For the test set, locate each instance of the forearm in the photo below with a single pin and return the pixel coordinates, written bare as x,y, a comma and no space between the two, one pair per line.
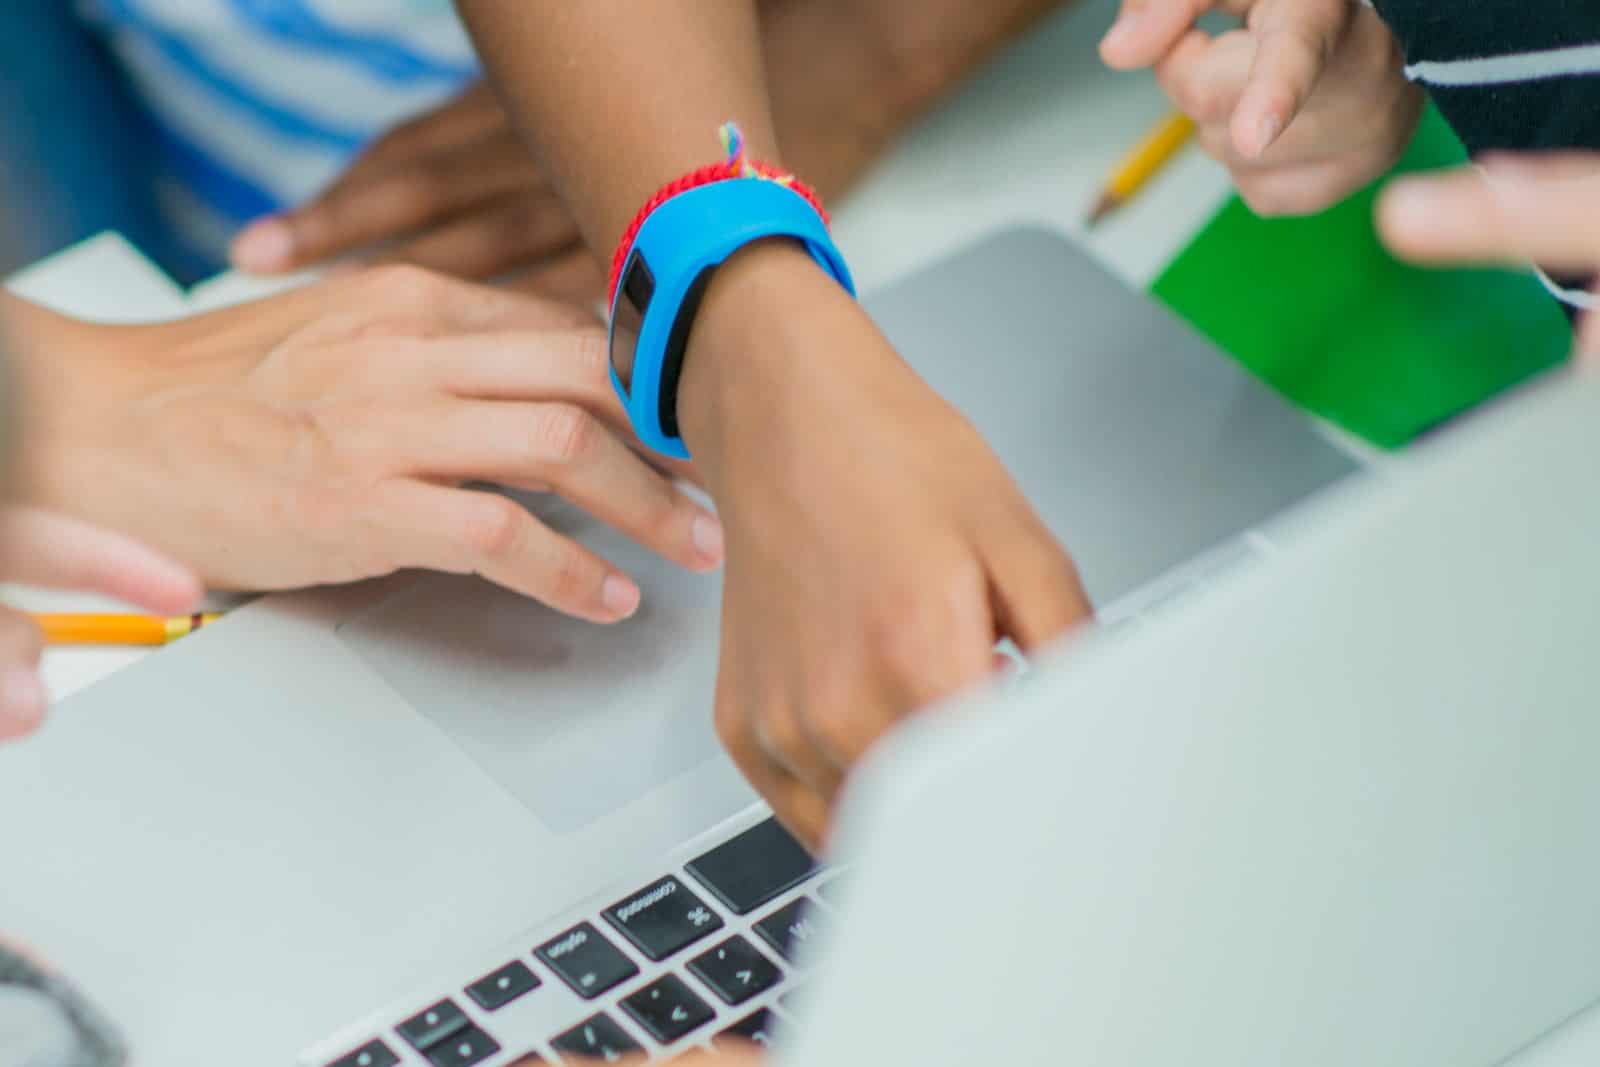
616,106
617,97
888,63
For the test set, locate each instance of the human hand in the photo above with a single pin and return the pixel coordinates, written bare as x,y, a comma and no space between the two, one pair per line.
1304,105
877,549
1512,209
330,434
49,551
454,190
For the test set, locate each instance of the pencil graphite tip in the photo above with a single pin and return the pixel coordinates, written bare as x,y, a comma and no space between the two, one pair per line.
1108,203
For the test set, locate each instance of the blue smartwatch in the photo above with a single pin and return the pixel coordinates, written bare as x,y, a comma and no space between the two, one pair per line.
678,248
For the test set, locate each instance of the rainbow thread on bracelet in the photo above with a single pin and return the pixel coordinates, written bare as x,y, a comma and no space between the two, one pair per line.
741,165
737,164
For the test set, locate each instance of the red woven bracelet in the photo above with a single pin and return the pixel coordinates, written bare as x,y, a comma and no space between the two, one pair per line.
736,165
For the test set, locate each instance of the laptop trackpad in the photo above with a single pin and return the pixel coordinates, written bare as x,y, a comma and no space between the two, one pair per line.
575,720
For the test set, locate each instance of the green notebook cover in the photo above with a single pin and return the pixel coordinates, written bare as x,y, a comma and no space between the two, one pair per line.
1318,308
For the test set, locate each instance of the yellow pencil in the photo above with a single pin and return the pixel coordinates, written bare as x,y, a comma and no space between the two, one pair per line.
118,629
1141,164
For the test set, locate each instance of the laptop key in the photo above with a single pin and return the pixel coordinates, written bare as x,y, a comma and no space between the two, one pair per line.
790,927
756,1027
736,971
597,1037
668,1009
494,991
463,1049
373,1054
753,868
432,1025
663,918
586,961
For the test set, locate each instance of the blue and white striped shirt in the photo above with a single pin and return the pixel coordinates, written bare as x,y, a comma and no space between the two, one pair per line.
260,103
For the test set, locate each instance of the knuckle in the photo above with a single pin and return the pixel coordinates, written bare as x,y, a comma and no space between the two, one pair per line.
573,577
840,730
912,635
666,515
492,529
779,731
1205,102
403,285
416,193
565,434
1183,88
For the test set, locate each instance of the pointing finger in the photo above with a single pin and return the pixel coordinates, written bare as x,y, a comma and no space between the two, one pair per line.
1295,40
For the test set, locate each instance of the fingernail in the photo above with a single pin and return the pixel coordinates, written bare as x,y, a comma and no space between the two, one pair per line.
264,246
22,702
1123,28
1267,131
620,596
708,538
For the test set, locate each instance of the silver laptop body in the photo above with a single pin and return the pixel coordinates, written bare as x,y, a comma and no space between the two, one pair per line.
338,810
1341,811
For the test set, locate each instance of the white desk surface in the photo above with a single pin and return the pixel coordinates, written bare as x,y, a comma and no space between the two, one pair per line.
1026,143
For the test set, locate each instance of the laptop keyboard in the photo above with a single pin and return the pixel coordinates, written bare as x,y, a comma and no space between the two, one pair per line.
698,957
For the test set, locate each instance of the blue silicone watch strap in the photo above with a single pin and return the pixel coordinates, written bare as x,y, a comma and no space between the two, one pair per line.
688,235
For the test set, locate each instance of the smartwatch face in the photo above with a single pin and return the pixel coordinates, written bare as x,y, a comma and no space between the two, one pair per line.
638,285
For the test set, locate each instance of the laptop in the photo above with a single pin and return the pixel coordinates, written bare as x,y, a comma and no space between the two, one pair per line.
1339,811
425,821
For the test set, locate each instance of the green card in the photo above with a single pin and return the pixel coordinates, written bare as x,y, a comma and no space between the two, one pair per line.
1320,310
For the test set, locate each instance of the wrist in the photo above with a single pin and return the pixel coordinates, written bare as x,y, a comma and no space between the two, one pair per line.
739,364
59,373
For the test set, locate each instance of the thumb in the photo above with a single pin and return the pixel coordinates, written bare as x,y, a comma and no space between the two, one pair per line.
55,552
1295,39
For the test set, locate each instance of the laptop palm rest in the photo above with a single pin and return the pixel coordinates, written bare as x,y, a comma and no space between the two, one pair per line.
1139,443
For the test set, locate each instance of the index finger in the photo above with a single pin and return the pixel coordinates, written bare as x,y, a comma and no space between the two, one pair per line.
569,365
1037,592
1296,38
